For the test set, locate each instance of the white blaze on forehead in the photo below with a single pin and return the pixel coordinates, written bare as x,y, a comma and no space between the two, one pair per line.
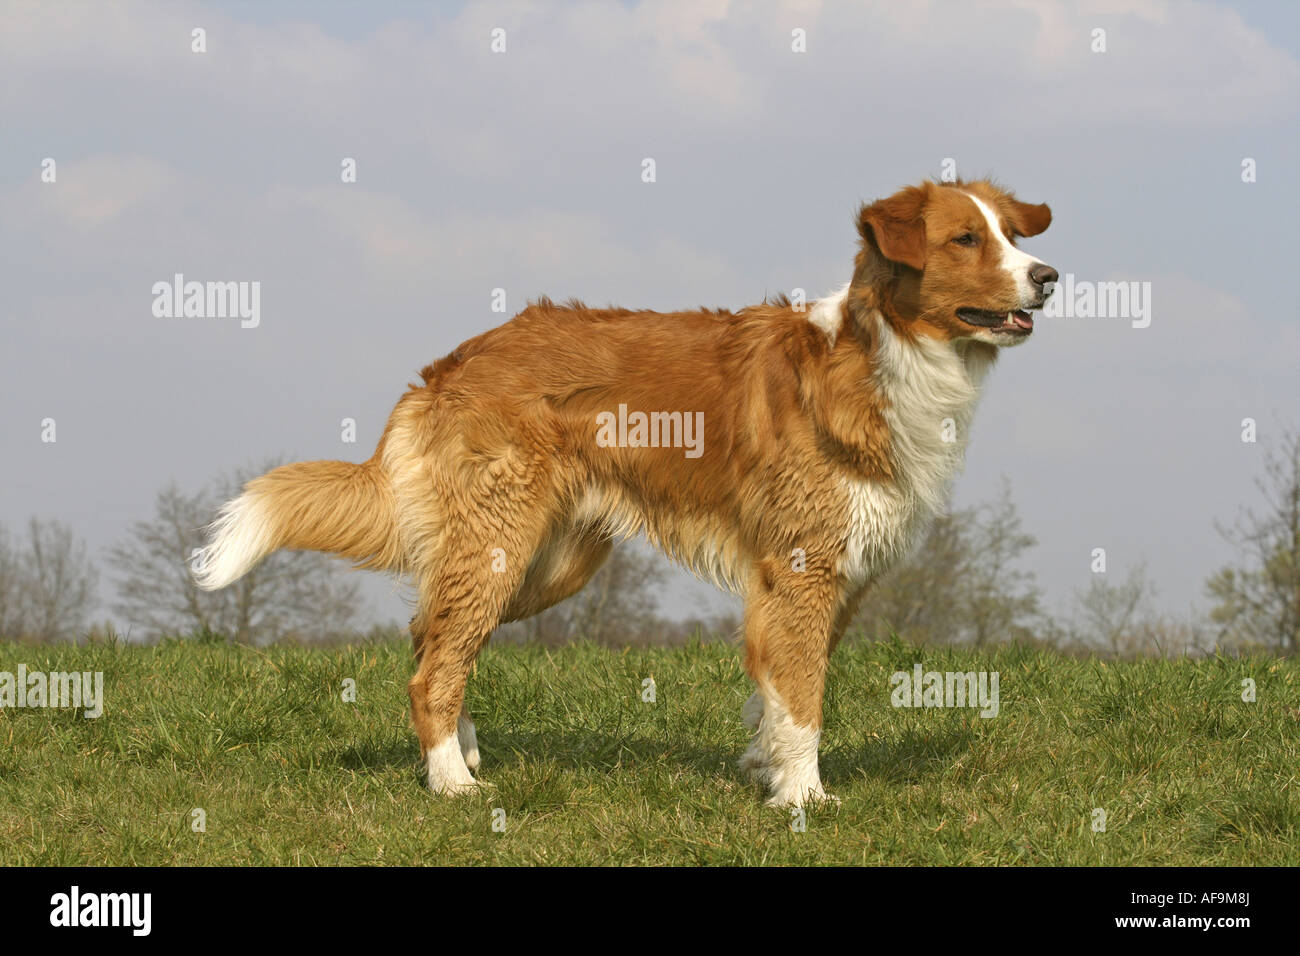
1016,263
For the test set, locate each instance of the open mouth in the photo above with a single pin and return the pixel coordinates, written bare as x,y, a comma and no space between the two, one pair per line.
1019,322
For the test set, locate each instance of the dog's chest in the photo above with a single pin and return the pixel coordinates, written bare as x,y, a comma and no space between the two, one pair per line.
931,389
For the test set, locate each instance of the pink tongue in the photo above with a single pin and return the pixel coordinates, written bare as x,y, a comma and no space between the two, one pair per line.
1023,320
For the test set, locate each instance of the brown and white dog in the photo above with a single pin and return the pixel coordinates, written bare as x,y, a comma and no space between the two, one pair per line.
790,454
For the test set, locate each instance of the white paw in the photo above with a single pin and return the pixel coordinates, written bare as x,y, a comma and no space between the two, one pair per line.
782,757
460,789
805,796
447,771
752,712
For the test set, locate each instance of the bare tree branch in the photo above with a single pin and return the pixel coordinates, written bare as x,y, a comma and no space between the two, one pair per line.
291,593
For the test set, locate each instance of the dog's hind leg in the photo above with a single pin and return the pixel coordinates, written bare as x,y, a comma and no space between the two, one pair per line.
467,735
460,609
479,568
559,569
561,566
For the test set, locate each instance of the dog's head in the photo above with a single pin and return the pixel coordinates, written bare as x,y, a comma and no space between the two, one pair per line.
946,254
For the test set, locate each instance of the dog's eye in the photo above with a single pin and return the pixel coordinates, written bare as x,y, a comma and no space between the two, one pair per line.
966,239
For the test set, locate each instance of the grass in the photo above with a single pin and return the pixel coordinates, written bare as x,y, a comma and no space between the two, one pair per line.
587,773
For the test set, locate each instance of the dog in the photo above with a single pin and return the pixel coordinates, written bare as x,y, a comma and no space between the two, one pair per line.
791,453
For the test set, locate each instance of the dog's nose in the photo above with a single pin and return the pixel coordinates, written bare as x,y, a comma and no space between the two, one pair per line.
1041,274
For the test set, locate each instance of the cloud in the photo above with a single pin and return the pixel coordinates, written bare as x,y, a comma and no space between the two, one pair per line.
521,170
92,192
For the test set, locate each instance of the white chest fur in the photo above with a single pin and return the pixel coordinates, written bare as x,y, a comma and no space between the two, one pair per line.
931,389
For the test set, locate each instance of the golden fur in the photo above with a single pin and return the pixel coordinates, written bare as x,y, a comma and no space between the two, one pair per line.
490,489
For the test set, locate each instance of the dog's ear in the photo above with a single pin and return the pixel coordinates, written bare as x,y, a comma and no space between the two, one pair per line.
1026,219
896,227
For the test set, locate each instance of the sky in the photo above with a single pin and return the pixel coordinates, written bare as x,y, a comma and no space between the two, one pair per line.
1165,145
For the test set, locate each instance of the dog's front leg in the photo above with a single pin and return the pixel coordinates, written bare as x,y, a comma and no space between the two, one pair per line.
788,626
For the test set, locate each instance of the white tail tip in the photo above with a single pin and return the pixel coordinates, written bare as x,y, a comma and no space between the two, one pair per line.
239,538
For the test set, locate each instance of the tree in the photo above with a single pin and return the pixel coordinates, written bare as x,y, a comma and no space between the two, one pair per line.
290,593
961,583
1259,602
1001,600
1117,616
47,587
920,597
13,615
60,581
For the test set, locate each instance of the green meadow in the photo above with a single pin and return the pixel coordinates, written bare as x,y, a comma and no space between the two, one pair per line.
227,755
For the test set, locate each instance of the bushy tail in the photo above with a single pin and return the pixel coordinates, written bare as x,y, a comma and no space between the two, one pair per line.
332,506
